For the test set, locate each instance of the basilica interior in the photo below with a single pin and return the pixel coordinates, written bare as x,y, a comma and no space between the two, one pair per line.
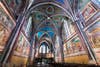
49,33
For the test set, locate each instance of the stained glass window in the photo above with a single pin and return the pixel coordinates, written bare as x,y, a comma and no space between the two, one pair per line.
44,48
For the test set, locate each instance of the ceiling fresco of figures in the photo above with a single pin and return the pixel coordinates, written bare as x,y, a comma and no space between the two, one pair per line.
46,12
16,6
47,19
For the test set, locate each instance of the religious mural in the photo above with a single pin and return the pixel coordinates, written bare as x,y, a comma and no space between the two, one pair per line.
65,49
71,27
88,11
93,34
16,6
22,47
6,26
4,34
74,52
5,19
74,46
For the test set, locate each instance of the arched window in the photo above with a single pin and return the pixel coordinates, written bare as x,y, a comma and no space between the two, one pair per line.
68,27
44,48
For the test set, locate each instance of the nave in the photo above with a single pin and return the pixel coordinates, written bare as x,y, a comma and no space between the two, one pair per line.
49,33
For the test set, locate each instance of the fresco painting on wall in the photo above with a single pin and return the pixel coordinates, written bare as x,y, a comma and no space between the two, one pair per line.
6,20
4,34
22,46
74,46
71,27
16,6
93,34
88,11
12,4
69,49
6,26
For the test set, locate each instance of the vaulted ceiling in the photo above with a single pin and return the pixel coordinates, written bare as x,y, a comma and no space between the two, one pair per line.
48,17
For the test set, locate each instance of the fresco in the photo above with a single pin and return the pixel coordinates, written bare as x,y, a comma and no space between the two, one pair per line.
6,26
74,52
88,11
93,34
22,46
5,19
4,34
74,46
12,4
16,6
71,27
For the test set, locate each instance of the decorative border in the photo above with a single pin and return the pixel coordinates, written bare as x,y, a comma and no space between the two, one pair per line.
76,53
85,29
52,10
6,12
15,53
9,9
89,5
4,8
96,50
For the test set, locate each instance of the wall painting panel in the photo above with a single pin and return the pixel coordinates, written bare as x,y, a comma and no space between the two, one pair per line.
7,24
22,46
88,11
93,34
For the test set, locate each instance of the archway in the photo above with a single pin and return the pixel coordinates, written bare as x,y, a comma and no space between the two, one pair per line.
44,48
45,54
48,24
